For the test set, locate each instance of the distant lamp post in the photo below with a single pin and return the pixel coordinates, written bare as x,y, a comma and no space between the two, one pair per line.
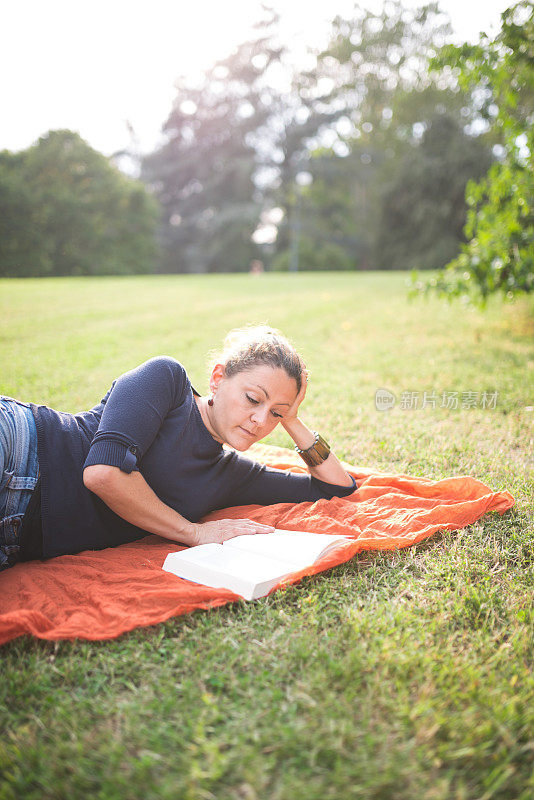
301,179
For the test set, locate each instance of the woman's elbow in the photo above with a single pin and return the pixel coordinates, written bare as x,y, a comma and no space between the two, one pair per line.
99,478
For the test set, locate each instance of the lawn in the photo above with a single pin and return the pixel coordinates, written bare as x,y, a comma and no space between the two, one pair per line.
401,675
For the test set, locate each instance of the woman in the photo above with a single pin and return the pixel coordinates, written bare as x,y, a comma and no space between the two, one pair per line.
150,458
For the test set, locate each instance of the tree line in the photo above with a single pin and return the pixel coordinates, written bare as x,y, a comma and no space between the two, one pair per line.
66,210
359,160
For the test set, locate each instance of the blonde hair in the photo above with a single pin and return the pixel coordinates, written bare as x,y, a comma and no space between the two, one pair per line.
247,347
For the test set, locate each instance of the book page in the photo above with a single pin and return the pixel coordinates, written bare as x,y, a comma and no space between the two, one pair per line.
230,568
299,548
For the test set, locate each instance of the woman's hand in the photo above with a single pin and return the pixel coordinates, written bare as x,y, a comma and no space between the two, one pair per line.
293,411
220,530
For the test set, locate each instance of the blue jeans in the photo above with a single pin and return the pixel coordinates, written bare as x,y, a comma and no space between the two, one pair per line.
19,470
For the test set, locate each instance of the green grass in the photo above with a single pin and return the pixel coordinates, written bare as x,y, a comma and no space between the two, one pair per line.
405,674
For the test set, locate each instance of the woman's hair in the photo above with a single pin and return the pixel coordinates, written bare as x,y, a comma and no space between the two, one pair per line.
252,345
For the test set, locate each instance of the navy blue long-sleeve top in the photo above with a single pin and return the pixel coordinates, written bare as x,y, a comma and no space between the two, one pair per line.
149,421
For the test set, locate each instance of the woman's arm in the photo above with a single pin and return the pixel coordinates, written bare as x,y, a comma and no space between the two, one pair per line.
130,496
133,413
330,471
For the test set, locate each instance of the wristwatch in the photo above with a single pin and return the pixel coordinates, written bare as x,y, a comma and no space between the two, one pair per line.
316,453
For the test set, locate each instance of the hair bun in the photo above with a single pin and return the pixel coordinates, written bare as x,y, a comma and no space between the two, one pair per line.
253,345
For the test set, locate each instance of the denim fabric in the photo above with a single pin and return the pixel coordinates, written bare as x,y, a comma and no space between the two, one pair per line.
19,470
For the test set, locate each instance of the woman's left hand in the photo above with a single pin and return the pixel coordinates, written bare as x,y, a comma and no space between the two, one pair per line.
293,411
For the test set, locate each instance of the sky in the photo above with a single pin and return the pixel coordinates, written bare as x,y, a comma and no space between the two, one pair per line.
100,66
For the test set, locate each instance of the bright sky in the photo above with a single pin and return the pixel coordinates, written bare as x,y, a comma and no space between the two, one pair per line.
91,66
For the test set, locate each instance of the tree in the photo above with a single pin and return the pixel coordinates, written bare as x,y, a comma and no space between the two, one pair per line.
203,174
423,209
234,142
65,210
387,109
325,215
19,234
499,256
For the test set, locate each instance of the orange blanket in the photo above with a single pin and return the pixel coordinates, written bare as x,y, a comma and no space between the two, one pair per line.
101,594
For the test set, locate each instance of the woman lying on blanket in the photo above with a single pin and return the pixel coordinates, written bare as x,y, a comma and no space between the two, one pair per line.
150,458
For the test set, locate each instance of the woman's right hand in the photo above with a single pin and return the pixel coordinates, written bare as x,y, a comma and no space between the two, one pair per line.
222,529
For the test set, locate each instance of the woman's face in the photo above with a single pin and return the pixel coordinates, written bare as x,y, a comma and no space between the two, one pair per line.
249,405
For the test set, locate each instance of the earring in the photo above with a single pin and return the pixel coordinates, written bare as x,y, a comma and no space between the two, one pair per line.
210,401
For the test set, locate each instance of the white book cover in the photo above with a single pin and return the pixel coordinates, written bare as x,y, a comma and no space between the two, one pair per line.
251,565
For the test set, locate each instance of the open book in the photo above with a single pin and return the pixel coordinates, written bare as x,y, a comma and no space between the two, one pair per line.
251,565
